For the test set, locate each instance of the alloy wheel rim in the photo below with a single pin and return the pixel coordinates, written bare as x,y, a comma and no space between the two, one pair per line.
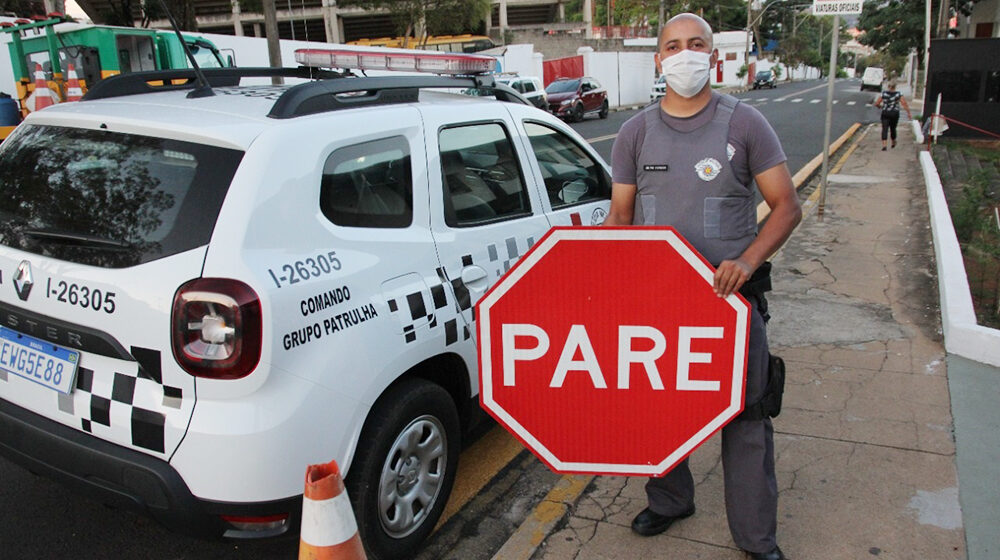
412,476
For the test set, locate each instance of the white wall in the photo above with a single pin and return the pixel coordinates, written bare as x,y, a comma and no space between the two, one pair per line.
628,76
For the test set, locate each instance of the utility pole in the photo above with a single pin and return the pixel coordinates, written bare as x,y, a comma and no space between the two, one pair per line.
927,50
273,41
834,40
746,52
663,14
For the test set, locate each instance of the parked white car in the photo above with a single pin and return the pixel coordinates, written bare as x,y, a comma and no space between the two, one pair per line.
659,88
200,295
872,79
529,86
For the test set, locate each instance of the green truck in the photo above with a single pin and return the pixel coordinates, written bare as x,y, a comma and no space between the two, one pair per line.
95,51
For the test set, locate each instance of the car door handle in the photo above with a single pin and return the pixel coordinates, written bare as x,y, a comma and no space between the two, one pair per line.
474,277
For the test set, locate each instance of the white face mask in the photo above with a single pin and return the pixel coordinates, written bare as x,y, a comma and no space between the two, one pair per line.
687,71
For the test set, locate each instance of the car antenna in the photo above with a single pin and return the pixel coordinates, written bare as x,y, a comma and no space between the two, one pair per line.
203,89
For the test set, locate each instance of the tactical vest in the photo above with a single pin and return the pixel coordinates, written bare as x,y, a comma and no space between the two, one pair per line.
685,180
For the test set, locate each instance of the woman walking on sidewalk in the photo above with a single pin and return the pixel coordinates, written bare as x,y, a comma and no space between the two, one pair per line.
890,102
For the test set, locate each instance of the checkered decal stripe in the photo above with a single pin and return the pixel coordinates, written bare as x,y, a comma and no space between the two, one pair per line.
127,408
432,306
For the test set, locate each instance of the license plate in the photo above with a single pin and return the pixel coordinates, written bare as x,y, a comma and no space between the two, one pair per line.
37,360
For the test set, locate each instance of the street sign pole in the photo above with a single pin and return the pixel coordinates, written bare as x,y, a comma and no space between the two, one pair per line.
834,43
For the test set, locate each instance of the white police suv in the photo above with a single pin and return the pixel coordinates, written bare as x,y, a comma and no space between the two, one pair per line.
205,287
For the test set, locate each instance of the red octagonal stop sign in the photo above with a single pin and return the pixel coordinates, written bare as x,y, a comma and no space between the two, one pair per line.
605,350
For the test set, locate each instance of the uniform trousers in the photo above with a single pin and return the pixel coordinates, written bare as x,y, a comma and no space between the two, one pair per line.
751,488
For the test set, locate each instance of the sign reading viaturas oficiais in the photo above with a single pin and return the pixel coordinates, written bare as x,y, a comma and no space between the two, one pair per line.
606,350
833,7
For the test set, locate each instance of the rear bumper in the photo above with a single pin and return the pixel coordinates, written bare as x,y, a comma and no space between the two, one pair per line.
123,477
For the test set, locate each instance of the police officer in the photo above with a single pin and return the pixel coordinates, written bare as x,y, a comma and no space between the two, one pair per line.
690,162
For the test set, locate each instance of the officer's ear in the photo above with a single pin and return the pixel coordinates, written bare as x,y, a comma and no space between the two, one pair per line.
658,61
715,57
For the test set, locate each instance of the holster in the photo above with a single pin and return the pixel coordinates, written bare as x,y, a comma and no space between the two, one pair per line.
759,282
769,405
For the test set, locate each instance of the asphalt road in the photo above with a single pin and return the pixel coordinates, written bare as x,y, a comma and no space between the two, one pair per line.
797,111
40,519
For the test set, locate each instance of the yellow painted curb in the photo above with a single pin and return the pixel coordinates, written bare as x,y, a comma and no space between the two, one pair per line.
808,169
813,199
525,540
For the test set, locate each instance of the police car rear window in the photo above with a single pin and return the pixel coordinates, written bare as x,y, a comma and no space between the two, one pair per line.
108,199
369,185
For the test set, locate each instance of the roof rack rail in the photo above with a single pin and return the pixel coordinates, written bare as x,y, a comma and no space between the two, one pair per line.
319,97
306,98
135,83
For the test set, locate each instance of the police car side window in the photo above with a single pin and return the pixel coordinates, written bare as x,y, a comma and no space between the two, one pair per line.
571,176
482,178
369,185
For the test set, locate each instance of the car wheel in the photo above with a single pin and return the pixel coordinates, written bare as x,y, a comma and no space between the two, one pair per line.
577,114
404,468
604,110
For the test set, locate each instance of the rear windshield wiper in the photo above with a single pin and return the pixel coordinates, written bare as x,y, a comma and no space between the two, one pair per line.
72,238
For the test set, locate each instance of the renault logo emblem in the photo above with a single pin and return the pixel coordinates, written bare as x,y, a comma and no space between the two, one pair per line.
23,280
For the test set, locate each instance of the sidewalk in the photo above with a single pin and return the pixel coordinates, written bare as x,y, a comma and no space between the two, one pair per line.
866,456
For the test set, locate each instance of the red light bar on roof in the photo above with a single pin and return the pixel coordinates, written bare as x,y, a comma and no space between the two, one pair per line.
384,59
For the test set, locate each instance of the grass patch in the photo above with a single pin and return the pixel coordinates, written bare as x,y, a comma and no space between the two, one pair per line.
974,204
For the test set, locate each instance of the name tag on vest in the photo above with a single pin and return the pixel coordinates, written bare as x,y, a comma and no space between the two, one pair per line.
659,167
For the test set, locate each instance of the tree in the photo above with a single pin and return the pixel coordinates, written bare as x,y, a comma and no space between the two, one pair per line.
182,10
22,8
802,45
435,17
895,26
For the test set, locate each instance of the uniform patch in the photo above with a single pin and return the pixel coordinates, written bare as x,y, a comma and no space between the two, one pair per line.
730,152
656,167
708,169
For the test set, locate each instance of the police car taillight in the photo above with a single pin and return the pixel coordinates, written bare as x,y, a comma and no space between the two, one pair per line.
216,328
388,59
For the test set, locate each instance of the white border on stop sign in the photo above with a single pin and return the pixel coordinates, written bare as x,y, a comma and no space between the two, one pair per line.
696,262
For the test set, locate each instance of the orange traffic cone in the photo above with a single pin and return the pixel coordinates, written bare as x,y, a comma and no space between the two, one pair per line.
43,95
329,531
73,90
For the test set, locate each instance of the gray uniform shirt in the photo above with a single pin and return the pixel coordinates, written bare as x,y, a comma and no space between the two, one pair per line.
696,173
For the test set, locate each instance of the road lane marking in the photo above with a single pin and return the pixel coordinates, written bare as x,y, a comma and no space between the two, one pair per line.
801,92
851,102
601,138
815,100
797,100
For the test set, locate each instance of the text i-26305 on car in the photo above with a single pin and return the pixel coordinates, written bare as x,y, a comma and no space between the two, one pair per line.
185,325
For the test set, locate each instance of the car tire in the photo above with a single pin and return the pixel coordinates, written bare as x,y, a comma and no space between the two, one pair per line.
604,110
577,114
408,450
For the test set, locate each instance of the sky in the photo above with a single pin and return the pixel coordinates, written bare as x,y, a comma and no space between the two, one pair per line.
74,10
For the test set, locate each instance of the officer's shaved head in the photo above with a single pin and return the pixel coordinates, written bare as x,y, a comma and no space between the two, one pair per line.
687,18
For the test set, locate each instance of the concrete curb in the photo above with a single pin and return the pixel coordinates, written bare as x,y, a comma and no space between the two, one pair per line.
543,519
962,335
